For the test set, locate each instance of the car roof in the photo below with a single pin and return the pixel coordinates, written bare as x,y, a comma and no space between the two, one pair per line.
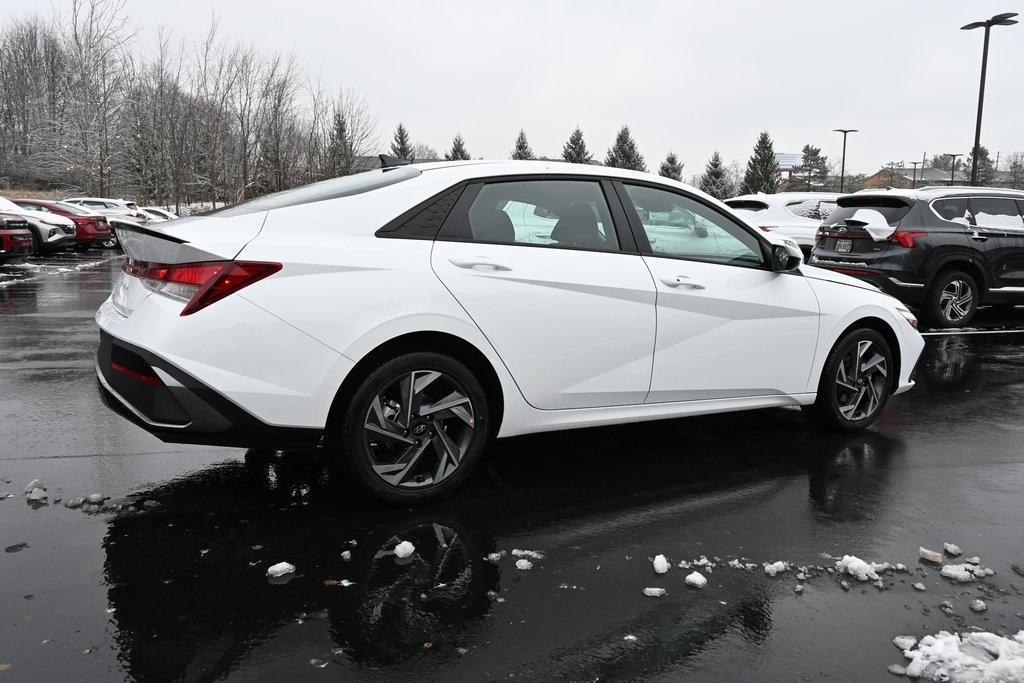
779,198
932,192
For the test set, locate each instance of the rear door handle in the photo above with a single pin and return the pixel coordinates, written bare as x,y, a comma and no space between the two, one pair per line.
978,237
477,262
682,281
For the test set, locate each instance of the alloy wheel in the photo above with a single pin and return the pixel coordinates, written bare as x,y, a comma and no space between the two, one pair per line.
955,300
861,381
418,428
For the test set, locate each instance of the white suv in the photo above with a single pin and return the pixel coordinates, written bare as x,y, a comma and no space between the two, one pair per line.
794,214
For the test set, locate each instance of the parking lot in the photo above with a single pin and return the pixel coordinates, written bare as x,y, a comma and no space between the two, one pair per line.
168,579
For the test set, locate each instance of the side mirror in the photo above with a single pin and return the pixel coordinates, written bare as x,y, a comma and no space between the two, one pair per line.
784,260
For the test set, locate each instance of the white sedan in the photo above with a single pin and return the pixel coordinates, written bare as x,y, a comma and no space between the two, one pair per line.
797,215
400,318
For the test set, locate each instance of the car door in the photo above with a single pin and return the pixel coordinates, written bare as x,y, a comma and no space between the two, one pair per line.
998,229
543,270
728,326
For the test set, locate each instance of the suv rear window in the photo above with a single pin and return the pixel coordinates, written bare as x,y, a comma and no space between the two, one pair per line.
317,192
892,208
746,205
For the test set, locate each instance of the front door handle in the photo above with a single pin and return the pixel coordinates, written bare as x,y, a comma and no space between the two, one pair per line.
682,281
477,262
978,237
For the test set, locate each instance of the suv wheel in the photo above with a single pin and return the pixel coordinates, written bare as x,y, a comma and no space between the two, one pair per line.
415,428
953,299
854,385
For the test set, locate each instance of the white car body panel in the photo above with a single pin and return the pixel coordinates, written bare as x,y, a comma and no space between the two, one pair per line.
575,338
777,218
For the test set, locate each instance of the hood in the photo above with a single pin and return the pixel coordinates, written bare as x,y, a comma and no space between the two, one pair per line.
46,217
816,273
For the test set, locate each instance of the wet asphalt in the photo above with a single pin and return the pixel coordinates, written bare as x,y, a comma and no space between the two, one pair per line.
173,585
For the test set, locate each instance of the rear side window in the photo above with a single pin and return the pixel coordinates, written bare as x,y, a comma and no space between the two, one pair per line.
809,208
892,208
424,221
953,209
995,212
553,213
746,205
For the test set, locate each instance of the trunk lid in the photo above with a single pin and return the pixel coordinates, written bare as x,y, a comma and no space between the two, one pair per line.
196,238
844,235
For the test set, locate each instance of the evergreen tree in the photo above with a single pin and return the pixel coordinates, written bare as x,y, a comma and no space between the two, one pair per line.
575,150
522,149
339,148
401,147
814,161
671,167
716,181
986,169
624,154
458,151
762,173
1016,171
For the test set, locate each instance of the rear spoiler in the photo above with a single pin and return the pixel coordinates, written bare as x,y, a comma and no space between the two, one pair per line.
146,244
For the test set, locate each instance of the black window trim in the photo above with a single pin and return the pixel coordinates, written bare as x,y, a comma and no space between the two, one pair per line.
627,244
645,246
392,229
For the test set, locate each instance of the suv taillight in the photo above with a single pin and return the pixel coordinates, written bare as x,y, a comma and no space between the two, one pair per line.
906,238
199,284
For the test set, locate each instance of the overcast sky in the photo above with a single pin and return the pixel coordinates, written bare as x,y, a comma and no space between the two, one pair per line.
685,76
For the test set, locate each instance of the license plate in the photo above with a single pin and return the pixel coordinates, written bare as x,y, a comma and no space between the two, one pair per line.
844,246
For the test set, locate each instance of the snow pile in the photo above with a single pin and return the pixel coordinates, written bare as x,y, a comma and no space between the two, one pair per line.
404,550
978,606
280,569
529,554
858,568
904,642
346,555
971,657
661,564
696,579
962,572
496,557
773,568
930,555
951,549
523,564
654,592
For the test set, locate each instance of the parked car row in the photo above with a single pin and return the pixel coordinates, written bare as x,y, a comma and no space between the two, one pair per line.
79,222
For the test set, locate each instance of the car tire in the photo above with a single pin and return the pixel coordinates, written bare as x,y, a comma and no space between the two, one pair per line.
952,300
852,396
36,249
422,453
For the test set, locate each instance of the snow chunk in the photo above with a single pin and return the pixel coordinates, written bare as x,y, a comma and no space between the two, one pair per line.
951,549
735,564
904,642
95,498
683,564
773,568
696,579
973,560
34,484
920,586
280,569
930,555
661,564
404,550
38,493
523,564
977,656
629,638
962,572
529,554
978,606
856,567
346,555
654,592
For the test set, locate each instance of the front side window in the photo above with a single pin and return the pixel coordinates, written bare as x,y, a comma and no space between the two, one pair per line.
681,227
995,212
555,213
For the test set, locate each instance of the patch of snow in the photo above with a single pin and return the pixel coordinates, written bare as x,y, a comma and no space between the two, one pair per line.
773,568
404,550
904,642
280,569
524,564
661,565
798,589
95,498
977,656
735,564
973,560
951,549
529,554
34,484
683,564
858,568
654,592
930,555
696,579
978,606
900,567
920,586
496,557
346,555
38,493
961,572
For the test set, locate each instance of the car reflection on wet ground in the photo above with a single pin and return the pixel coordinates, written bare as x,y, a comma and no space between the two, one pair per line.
173,584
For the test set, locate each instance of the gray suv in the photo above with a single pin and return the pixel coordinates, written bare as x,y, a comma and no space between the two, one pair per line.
942,250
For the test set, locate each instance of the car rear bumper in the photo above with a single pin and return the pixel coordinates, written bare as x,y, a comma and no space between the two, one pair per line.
176,407
905,286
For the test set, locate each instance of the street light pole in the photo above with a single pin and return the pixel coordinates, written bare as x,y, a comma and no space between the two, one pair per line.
842,172
952,165
913,183
1004,19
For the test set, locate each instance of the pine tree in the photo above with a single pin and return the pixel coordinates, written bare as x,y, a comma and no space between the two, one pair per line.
1016,171
339,148
522,149
458,151
402,145
716,181
762,170
575,150
671,167
814,162
624,154
986,169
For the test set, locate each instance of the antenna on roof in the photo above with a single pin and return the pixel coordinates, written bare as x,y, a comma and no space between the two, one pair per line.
388,161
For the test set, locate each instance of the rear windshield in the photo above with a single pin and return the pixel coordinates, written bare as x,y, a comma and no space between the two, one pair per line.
892,208
746,205
334,188
73,208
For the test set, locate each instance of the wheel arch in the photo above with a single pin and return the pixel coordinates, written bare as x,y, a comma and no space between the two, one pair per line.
888,333
966,265
438,342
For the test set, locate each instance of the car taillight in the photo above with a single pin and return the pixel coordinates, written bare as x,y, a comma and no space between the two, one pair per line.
905,238
199,284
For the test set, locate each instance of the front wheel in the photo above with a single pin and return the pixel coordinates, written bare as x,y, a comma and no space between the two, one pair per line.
415,428
855,382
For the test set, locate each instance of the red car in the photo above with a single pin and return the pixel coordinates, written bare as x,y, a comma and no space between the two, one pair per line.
15,237
91,228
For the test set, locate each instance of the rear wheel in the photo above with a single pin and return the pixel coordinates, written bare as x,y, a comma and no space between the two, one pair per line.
415,428
855,382
952,300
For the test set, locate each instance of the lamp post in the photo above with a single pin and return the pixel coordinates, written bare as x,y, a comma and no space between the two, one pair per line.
842,172
1004,19
952,165
913,183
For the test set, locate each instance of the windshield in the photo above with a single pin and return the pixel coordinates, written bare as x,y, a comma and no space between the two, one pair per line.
892,208
73,208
